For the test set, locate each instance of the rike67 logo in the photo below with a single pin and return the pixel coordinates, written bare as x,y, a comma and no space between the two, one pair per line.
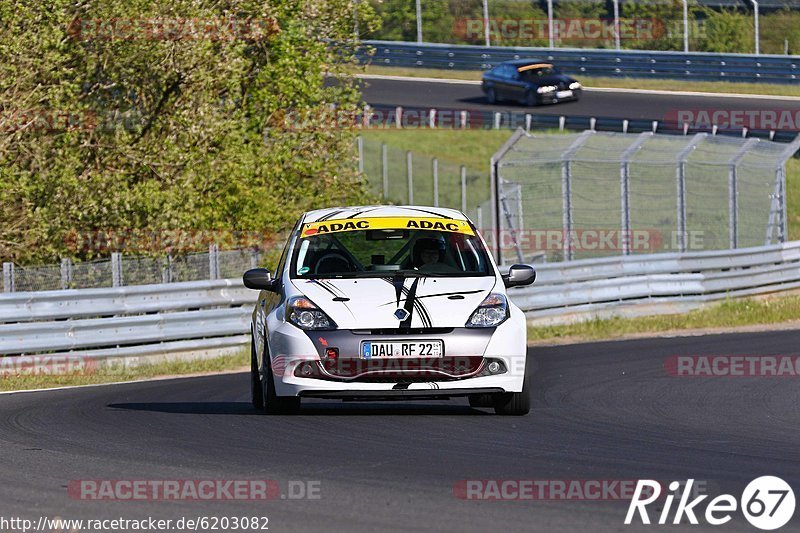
767,503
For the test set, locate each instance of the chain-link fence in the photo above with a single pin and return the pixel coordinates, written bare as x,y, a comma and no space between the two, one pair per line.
694,25
598,194
120,270
406,177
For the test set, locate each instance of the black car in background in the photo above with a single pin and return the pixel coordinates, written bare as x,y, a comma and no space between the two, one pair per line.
530,82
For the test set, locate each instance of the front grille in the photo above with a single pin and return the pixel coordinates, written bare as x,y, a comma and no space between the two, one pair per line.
409,370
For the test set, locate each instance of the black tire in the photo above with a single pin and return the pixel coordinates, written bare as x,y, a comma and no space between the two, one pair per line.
530,99
514,403
491,95
256,390
274,404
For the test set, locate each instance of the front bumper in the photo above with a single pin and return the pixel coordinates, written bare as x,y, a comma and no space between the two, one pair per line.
550,98
401,394
291,348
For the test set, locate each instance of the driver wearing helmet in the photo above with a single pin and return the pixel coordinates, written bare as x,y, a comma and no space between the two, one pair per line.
429,253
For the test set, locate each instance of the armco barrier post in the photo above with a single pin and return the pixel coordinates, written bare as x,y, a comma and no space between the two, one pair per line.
463,189
360,144
410,174
116,269
213,261
167,275
8,277
66,273
435,182
385,170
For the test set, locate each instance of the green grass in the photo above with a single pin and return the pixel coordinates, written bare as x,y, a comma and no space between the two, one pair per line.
728,314
119,372
770,89
472,148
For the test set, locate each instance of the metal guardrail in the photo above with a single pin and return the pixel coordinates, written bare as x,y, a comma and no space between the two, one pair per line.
127,321
629,63
203,316
644,281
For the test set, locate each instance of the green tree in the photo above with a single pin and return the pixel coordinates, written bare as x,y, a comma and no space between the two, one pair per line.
727,31
169,121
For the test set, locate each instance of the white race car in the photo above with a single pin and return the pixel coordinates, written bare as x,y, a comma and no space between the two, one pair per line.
387,302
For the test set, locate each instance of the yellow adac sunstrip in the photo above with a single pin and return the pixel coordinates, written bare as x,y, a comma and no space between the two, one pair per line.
358,224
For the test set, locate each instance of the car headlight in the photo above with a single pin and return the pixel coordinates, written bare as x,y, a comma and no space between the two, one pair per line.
305,315
546,89
492,312
574,85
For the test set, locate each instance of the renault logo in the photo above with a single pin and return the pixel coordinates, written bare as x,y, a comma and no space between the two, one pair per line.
401,314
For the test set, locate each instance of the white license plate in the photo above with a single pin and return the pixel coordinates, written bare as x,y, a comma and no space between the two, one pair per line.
564,94
387,349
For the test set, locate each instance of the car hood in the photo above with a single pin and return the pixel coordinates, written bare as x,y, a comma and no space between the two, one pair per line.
555,79
370,303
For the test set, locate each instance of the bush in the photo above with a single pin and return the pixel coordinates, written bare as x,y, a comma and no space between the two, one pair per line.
158,130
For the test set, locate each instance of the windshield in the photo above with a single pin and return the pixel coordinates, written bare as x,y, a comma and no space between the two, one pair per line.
536,73
383,251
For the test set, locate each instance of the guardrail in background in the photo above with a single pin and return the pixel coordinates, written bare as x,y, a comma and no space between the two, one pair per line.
141,320
214,315
415,117
623,63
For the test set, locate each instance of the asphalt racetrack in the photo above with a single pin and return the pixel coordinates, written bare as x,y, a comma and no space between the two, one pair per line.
603,411
622,105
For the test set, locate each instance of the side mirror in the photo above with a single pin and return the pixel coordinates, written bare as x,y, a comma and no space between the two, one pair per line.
519,275
259,279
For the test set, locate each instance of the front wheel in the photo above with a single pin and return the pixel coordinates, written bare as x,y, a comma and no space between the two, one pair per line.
491,96
530,99
256,390
514,403
274,404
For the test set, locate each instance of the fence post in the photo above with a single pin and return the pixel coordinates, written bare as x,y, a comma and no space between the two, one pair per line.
616,24
463,189
755,25
213,261
385,170
360,144
435,182
486,22
566,207
410,174
685,25
550,23
8,277
419,22
398,116
167,274
367,117
116,269
784,222
682,158
66,273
